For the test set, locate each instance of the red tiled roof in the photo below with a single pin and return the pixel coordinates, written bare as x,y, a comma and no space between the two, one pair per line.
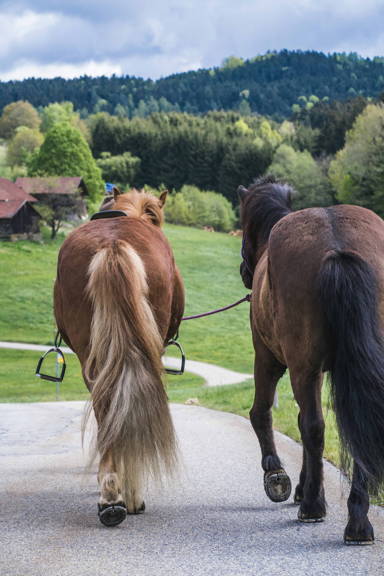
12,198
50,185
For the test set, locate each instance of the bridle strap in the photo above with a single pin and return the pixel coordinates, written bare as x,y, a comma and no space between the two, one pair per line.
245,259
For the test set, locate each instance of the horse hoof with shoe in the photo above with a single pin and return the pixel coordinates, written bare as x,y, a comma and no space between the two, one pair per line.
317,306
277,485
112,514
359,535
310,517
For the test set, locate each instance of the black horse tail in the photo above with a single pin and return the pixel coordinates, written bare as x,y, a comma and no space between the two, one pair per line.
349,296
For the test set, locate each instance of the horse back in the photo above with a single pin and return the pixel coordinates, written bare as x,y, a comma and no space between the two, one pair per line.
72,305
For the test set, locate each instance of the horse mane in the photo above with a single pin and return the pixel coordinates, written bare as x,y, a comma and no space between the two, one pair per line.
140,204
268,202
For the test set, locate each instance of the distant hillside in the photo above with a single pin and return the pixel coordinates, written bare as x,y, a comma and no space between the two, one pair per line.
268,84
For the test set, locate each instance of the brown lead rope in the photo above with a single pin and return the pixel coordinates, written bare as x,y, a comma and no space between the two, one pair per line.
246,298
173,341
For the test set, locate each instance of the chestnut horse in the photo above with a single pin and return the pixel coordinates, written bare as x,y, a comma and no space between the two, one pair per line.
118,299
317,279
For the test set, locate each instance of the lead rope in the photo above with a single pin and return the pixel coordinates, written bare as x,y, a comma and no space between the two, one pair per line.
173,341
246,298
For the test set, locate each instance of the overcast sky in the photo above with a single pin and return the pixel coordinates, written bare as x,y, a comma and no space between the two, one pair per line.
153,38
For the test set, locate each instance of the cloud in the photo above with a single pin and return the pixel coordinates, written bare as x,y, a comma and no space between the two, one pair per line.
27,69
144,38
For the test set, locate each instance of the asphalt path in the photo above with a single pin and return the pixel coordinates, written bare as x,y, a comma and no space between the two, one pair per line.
212,519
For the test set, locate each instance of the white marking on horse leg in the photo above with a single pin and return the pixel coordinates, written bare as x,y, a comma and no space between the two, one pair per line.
110,489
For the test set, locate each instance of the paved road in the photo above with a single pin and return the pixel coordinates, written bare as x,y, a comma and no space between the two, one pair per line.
214,520
212,374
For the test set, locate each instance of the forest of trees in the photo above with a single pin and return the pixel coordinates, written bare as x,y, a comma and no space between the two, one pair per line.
329,150
269,85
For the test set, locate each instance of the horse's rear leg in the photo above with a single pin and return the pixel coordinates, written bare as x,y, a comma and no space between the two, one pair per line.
113,505
310,491
112,508
267,373
359,529
299,491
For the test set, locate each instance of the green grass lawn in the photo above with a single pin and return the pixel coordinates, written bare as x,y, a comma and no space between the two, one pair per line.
27,274
18,382
209,263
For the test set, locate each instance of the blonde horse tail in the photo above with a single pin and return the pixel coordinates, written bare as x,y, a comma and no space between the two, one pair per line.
124,370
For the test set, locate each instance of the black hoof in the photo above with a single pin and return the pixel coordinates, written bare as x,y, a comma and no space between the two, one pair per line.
314,512
358,542
277,485
359,536
309,518
112,514
139,510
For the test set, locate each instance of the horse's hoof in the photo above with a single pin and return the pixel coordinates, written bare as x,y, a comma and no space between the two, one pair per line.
139,510
315,512
277,485
308,518
348,542
112,514
359,536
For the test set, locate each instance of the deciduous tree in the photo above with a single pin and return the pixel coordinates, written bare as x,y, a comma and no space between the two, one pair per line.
357,172
17,114
57,208
301,171
22,145
65,152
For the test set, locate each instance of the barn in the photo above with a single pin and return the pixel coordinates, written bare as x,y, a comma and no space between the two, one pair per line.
43,189
17,214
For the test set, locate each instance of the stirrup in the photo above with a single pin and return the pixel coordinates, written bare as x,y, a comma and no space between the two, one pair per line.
175,372
61,360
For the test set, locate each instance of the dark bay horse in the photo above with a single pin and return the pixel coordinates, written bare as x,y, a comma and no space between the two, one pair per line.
317,279
118,299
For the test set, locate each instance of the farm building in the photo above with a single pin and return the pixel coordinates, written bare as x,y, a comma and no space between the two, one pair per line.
43,189
17,215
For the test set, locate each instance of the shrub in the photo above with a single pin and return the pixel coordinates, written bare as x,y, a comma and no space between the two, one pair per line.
193,207
120,169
